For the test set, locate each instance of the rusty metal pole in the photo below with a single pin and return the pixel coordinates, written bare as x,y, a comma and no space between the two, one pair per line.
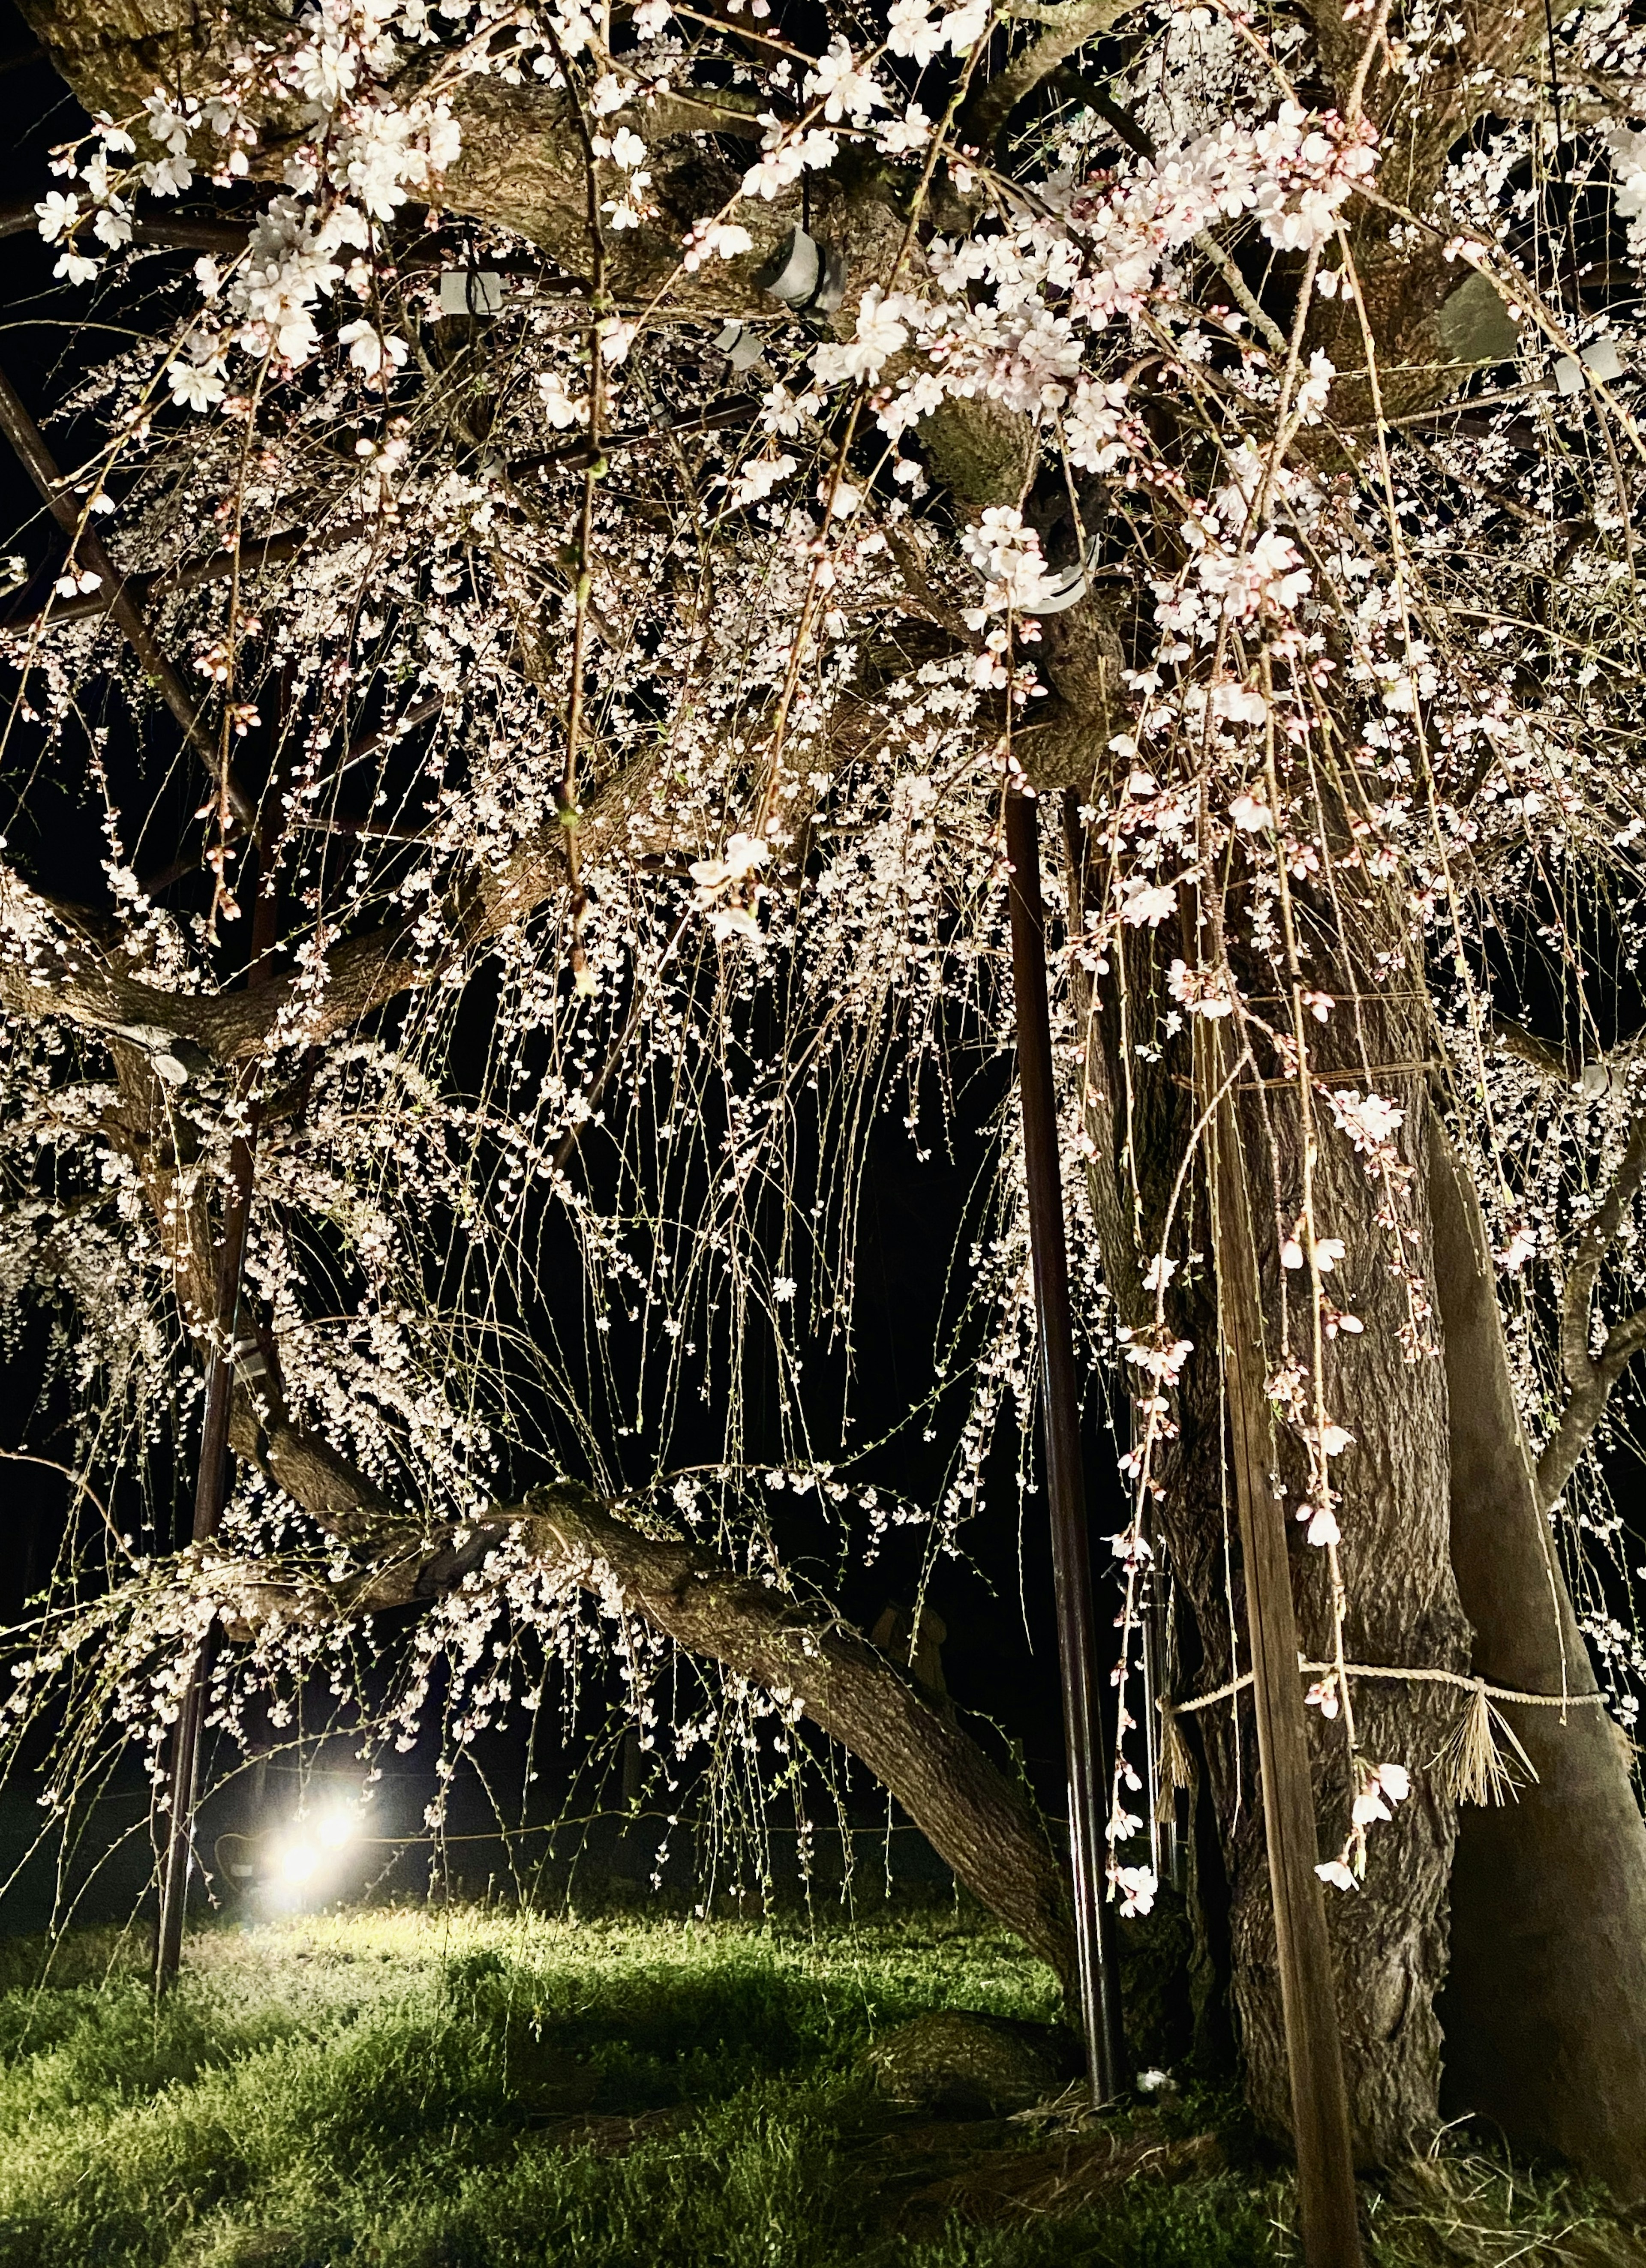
1065,1496
212,1485
211,1495
1320,2116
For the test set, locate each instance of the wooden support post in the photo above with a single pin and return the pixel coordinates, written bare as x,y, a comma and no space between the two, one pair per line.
1065,1496
1320,2116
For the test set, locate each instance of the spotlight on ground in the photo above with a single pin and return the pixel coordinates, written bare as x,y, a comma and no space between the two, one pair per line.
298,1860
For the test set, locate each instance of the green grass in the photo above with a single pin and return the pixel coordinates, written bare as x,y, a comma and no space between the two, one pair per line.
407,2090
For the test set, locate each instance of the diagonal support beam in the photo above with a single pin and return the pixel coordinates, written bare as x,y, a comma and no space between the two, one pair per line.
1320,2116
211,1490
211,1496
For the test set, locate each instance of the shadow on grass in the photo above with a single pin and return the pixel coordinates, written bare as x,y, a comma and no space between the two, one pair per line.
463,2089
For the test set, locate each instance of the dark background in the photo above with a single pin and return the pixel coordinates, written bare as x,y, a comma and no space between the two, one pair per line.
998,1656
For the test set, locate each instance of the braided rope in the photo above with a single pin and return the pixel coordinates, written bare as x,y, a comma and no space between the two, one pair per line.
1408,1677
1474,1769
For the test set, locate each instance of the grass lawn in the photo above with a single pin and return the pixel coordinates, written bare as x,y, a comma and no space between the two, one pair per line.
464,2089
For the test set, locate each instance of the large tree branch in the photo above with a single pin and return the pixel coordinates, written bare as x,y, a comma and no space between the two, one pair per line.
63,960
247,558
1585,1407
521,167
1597,1240
186,234
1515,1040
44,973
973,1817
521,164
1422,121
978,1823
1068,29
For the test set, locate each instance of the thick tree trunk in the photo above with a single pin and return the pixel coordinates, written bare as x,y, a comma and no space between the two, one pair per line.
1389,1937
1544,2010
1402,1611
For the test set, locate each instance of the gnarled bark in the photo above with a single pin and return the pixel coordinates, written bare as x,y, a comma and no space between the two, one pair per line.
1544,2010
1389,1938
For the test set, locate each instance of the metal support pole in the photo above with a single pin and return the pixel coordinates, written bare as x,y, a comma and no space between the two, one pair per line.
1320,2116
211,1495
212,1485
1082,1726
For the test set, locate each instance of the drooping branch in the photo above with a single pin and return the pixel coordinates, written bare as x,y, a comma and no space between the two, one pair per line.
26,438
976,1820
46,974
973,1817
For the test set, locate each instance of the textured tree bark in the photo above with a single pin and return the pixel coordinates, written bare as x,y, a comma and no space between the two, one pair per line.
1544,2010
522,162
1326,2210
1389,1938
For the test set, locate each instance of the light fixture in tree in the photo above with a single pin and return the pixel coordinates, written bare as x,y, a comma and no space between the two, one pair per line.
471,291
1598,359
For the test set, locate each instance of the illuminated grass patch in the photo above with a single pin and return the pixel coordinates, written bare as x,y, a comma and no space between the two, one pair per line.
465,2090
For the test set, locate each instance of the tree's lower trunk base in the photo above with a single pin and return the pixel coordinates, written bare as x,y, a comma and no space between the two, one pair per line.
1544,2010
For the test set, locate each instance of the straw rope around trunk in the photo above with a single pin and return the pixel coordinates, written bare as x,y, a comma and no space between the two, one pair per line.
1475,1769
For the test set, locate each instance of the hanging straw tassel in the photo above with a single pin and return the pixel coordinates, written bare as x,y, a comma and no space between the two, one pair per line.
1177,1769
1474,1768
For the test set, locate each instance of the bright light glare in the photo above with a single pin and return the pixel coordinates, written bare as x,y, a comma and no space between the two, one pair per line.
297,1861
334,1829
